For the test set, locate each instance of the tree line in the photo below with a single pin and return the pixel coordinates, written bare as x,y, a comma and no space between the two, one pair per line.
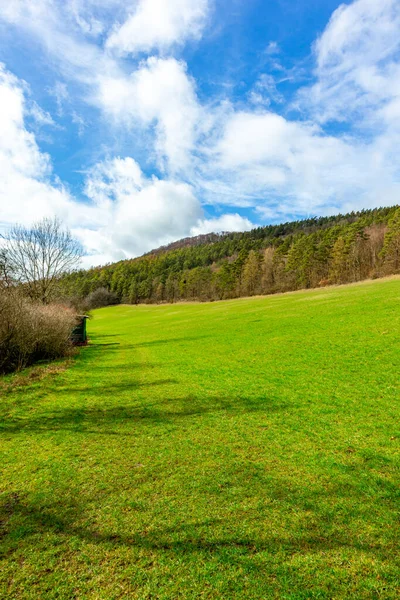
267,260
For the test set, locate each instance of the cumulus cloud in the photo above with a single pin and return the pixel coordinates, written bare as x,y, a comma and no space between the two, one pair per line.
141,213
157,95
157,24
144,213
126,214
26,191
215,152
291,167
228,222
159,92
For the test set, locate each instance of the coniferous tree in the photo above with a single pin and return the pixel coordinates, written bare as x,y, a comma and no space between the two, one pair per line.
307,253
251,276
391,247
267,271
339,258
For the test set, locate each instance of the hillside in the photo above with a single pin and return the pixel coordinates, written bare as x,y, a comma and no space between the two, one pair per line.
239,449
276,258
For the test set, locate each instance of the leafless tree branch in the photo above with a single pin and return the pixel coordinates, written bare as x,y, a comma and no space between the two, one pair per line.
36,257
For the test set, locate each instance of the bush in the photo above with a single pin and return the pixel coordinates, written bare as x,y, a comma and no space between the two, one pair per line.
77,304
31,332
101,297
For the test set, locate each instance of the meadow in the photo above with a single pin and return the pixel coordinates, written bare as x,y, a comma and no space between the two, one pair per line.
243,449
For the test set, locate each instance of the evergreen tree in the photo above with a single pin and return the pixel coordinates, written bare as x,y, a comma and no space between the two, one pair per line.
339,260
268,272
171,288
251,275
275,258
391,247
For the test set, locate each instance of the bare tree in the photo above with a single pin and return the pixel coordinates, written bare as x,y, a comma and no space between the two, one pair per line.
37,256
5,275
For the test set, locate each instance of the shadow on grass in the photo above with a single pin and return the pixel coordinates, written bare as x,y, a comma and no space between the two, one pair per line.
22,519
128,367
170,341
103,335
97,343
102,420
100,345
96,390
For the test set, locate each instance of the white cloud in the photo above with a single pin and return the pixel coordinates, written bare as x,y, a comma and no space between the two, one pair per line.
158,96
24,191
40,116
160,92
52,25
14,11
159,24
273,48
142,213
290,167
113,180
79,121
357,62
61,95
82,13
250,157
88,17
139,213
264,91
127,213
295,168
228,222
256,137
28,190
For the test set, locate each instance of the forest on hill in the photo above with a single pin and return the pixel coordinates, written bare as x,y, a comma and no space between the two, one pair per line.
267,260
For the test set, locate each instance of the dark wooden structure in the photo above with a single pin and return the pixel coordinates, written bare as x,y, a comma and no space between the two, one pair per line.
79,334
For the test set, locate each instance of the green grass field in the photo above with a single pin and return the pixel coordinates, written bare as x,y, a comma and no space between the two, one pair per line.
245,449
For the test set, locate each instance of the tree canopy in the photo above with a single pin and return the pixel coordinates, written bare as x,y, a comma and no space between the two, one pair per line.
275,258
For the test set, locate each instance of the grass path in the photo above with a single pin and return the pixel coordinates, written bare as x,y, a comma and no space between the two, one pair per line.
239,449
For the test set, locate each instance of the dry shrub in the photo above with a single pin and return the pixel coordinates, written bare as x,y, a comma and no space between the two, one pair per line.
77,304
53,325
324,282
101,297
30,332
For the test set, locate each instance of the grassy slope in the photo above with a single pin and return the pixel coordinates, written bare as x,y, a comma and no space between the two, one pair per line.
241,449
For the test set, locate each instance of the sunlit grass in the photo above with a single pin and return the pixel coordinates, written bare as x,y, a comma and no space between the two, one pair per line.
239,449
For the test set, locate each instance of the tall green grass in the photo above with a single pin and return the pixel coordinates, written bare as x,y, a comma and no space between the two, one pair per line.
239,449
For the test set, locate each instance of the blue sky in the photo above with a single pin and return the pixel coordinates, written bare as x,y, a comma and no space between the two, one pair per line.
138,122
